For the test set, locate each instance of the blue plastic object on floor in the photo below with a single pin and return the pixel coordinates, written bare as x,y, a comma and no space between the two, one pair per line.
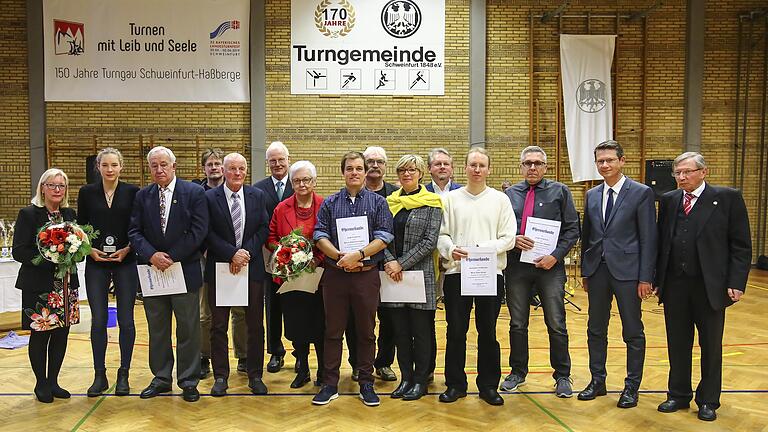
111,317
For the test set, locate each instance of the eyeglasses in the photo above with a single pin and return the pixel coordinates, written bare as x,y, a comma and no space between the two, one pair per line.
56,187
686,173
375,161
281,161
610,161
534,164
300,181
410,171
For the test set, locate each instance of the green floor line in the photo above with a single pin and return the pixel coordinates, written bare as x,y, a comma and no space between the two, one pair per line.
93,408
548,412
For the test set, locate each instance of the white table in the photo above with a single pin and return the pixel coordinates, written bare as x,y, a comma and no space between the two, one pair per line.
10,297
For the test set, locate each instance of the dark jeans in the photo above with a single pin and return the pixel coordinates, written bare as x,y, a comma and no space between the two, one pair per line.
457,314
548,284
686,306
126,281
385,355
602,288
254,319
46,354
359,292
414,342
274,318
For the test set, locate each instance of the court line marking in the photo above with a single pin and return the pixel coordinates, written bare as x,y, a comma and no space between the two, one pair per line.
548,412
93,408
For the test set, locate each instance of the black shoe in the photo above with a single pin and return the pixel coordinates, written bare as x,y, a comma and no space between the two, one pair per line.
257,386
491,396
43,393
671,405
242,365
707,413
301,379
205,367
219,387
593,390
100,384
452,394
628,398
355,375
386,373
297,365
60,393
122,388
153,390
190,394
401,390
276,362
416,392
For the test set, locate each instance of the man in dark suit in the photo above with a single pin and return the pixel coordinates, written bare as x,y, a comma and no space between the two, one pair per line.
618,243
705,253
276,187
239,227
440,164
169,223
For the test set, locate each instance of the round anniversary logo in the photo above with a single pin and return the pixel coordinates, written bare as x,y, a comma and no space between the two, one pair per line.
401,18
334,19
590,96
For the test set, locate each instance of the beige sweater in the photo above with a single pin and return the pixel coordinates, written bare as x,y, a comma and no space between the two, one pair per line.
484,220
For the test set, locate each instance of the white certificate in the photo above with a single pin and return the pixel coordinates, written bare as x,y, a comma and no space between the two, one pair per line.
352,233
231,289
159,283
544,233
409,290
478,272
307,282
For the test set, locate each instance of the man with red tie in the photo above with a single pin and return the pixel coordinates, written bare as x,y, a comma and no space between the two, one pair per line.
541,198
705,253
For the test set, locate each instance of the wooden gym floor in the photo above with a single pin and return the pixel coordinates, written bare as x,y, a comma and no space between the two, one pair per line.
744,399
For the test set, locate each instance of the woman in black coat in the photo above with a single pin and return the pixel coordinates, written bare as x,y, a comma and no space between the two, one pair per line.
49,306
106,205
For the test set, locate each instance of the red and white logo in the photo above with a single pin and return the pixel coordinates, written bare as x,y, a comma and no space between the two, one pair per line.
68,37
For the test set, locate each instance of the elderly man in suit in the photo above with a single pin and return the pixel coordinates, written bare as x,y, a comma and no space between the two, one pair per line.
276,188
618,242
239,227
440,164
169,223
705,253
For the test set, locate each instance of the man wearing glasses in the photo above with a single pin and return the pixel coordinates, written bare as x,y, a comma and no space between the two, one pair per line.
705,253
618,243
538,197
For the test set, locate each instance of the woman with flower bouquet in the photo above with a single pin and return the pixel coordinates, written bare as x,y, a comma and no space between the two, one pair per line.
293,223
48,245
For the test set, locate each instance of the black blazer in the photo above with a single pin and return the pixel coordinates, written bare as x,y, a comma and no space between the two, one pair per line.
270,194
35,278
723,241
221,235
185,230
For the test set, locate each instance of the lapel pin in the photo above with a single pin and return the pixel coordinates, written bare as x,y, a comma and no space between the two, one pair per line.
714,202
541,204
174,201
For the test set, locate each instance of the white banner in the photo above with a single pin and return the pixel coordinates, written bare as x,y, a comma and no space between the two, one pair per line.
585,64
372,47
146,50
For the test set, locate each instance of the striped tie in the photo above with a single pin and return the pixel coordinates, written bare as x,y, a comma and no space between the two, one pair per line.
237,220
688,202
162,209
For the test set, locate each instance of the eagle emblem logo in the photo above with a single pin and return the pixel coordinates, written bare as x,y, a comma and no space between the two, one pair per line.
590,96
401,18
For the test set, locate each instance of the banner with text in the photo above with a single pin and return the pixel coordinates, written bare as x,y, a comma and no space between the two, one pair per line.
585,64
371,47
146,50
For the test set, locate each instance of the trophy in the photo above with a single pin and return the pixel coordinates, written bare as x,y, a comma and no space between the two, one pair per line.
5,252
109,246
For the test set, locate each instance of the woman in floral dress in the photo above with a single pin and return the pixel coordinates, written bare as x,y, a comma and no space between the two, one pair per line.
49,305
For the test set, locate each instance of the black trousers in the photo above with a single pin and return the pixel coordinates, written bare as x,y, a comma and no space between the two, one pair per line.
413,338
46,355
685,307
274,318
602,288
457,313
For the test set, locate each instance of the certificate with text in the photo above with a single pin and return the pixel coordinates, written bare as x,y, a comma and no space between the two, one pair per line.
409,290
352,233
478,272
155,282
544,233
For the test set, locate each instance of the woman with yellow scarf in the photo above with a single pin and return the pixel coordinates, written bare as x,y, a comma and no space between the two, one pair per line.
417,215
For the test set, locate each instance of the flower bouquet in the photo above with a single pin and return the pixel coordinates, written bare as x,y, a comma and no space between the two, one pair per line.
64,244
293,257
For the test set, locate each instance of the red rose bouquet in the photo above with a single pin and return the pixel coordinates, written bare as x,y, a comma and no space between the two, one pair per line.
64,244
293,257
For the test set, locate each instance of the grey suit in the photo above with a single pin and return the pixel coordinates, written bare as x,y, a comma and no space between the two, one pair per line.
616,255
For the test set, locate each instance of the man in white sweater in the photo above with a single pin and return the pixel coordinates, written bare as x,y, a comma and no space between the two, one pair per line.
474,215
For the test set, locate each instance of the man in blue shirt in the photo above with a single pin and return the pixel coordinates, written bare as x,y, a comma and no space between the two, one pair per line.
351,278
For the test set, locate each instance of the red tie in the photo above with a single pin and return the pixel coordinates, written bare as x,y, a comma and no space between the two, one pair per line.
527,208
688,202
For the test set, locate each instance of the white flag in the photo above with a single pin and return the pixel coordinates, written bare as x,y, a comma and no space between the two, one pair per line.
585,64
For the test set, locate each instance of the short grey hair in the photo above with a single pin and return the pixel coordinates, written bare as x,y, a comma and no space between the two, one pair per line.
39,200
436,151
300,165
234,156
277,145
161,149
532,149
698,159
375,149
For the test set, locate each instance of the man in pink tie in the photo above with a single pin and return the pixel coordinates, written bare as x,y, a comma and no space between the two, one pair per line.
538,197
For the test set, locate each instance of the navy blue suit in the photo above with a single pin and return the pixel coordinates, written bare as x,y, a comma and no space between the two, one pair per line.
186,229
451,186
